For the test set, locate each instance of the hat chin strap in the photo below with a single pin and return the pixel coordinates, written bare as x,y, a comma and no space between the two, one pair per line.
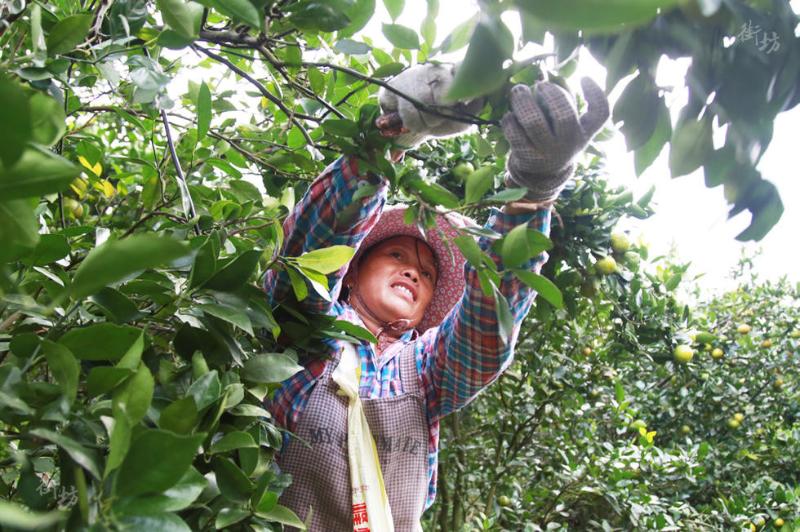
395,328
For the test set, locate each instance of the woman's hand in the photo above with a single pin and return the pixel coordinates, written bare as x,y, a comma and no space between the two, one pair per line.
428,84
545,133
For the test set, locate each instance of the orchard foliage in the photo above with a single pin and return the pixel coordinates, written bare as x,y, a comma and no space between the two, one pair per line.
598,426
149,153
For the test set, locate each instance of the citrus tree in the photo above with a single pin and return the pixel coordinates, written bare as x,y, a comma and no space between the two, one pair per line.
627,409
148,155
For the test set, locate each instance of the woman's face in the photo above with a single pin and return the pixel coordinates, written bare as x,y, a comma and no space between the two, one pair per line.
396,279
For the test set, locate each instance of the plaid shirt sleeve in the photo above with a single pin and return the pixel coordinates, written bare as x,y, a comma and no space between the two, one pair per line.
328,215
465,353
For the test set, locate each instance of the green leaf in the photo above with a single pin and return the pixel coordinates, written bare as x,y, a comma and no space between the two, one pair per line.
232,315
298,283
394,7
428,30
505,320
543,286
317,280
635,108
183,17
64,366
401,36
242,10
434,193
176,498
179,416
135,396
103,379
19,230
68,33
205,261
232,482
341,128
460,36
478,183
156,461
236,273
647,153
515,249
116,305
765,203
691,145
266,500
37,36
80,454
116,259
102,341
594,15
269,368
318,16
233,440
470,249
351,47
507,195
326,260
389,69
118,445
15,516
49,249
36,173
245,410
359,13
173,40
48,120
481,72
206,390
203,111
165,522
229,516
355,330
283,515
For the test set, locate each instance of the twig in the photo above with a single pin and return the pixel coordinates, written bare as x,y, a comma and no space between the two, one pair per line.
98,20
186,196
246,41
272,60
264,92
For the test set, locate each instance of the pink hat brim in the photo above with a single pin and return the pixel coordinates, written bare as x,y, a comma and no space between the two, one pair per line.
450,283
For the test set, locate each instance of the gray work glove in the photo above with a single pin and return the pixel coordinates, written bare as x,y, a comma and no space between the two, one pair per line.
545,133
429,84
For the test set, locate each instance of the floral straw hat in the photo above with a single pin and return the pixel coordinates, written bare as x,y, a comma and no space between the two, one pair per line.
450,283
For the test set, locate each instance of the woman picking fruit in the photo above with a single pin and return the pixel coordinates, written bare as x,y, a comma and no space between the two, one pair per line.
439,341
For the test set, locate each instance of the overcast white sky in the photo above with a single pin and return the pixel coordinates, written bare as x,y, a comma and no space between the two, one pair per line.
689,217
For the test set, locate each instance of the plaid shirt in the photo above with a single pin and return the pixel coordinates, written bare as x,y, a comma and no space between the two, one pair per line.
455,360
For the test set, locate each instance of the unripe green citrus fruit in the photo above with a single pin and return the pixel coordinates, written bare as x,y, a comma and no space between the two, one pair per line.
683,353
620,242
462,170
606,265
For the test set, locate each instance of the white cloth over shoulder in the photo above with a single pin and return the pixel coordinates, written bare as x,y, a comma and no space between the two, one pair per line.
365,468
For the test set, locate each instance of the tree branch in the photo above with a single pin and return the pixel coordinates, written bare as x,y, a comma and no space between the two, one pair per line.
264,92
188,204
247,41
